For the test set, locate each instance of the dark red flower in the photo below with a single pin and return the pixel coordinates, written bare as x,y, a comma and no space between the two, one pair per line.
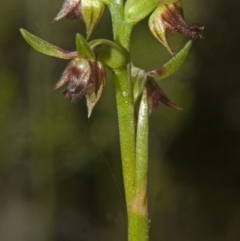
83,78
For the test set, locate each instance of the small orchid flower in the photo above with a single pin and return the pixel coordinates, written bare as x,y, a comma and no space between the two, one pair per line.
85,74
83,78
170,16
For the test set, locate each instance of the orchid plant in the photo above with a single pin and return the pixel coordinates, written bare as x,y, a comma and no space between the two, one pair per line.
137,91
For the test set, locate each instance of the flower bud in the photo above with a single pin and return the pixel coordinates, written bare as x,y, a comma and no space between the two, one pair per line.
83,78
90,11
170,16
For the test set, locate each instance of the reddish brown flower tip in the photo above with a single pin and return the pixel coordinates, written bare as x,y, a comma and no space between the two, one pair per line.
70,9
174,21
74,14
156,95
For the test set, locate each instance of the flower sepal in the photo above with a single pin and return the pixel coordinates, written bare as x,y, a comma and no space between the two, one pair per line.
83,48
172,65
156,95
44,47
94,92
143,81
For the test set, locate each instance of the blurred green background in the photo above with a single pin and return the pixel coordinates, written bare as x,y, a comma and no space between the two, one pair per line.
60,173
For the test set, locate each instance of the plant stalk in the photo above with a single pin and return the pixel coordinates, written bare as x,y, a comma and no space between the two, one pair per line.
126,123
133,139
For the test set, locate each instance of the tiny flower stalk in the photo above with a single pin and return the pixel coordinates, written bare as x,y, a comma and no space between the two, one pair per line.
137,91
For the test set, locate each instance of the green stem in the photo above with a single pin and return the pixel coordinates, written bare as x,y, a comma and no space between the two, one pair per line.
127,131
125,105
121,29
134,156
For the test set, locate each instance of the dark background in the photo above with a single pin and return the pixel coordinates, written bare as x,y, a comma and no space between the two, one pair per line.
60,173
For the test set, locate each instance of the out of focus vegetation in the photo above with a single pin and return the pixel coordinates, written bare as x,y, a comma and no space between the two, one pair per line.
60,173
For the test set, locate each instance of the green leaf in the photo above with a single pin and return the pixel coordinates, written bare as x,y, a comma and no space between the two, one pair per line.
109,53
46,48
172,65
83,49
